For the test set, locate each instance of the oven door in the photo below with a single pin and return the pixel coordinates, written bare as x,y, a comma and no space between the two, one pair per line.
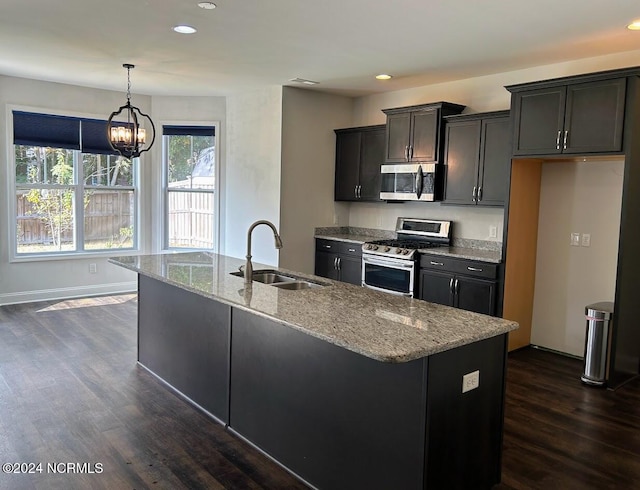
388,275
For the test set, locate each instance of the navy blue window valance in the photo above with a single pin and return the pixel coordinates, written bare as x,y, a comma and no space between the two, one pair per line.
46,130
73,133
188,130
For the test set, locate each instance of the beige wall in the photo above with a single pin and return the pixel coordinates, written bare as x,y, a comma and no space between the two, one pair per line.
252,171
575,197
308,155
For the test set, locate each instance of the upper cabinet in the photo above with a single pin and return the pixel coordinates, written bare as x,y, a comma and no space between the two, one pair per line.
477,158
569,118
415,133
359,154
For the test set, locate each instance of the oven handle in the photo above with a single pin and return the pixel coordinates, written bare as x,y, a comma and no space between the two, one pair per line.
383,263
388,291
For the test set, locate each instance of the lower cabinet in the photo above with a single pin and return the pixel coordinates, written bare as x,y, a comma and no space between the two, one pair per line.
339,260
465,284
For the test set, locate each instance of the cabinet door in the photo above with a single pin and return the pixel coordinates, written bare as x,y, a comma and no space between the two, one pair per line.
326,265
475,295
397,137
350,269
424,136
538,121
594,117
495,159
436,287
347,165
462,151
372,156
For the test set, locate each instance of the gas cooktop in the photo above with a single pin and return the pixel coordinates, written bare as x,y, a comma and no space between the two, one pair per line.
413,234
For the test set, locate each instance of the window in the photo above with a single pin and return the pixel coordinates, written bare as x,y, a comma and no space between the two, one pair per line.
190,184
73,193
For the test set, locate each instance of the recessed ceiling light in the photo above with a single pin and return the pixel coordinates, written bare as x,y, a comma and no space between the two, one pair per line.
303,81
183,29
383,76
207,5
634,26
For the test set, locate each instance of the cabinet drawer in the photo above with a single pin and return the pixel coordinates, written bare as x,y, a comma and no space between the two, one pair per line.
339,247
459,266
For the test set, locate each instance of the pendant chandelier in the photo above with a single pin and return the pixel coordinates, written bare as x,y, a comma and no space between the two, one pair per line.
126,134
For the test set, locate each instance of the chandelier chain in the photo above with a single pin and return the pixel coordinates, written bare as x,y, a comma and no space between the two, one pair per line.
128,84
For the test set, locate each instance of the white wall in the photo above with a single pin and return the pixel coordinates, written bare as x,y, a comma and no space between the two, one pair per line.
38,280
188,111
582,197
307,181
479,95
252,171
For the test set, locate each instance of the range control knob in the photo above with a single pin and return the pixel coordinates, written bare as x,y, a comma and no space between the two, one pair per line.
406,252
372,247
386,249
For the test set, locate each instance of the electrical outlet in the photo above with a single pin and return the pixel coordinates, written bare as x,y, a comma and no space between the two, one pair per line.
493,231
586,240
93,268
575,239
470,381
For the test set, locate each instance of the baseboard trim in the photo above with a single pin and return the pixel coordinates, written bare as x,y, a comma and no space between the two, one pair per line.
68,293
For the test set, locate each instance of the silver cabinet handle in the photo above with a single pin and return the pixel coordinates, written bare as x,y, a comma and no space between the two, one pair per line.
456,287
479,194
339,262
359,191
355,191
474,269
410,152
451,285
436,263
474,194
564,145
558,140
351,249
327,246
335,263
406,153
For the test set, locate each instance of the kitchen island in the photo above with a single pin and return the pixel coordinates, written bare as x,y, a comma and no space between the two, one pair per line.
344,386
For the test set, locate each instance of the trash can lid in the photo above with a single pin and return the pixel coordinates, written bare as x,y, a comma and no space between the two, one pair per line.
603,310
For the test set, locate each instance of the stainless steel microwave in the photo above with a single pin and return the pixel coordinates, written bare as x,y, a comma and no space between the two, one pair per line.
409,182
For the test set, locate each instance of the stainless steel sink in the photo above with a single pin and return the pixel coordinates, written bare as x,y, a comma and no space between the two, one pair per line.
296,285
278,279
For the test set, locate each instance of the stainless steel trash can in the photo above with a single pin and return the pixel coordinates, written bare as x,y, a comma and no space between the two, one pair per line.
597,343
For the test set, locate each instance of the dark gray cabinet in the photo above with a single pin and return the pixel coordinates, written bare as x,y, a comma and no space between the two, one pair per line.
576,118
415,133
477,158
359,154
341,261
466,284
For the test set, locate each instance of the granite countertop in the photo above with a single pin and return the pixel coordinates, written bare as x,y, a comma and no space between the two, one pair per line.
378,325
466,251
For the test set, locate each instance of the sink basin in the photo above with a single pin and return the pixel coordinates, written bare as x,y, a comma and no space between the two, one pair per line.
267,276
280,280
296,285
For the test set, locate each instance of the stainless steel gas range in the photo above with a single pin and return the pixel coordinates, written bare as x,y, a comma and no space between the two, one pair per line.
391,265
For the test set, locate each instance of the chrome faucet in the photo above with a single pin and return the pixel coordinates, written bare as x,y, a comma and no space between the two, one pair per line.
248,268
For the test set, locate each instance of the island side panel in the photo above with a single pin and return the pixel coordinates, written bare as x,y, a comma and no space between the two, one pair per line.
183,338
337,419
465,429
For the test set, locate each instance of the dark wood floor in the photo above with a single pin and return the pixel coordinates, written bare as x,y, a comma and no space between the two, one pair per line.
70,392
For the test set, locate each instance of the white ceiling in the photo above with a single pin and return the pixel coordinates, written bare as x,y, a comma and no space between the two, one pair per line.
342,44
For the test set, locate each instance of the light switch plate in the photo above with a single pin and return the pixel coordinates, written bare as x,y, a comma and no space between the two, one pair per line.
493,231
586,240
575,239
470,381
